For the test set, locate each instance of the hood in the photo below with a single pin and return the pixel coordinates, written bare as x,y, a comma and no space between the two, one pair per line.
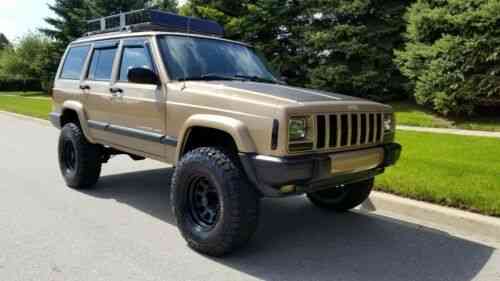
279,93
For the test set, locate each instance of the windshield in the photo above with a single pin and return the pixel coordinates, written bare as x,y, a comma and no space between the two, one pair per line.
193,58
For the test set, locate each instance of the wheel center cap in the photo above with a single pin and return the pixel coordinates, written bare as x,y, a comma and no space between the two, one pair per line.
204,201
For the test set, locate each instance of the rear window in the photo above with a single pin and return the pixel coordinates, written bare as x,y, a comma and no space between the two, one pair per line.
101,65
73,65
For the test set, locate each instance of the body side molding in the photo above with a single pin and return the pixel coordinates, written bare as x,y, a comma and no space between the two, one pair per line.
133,133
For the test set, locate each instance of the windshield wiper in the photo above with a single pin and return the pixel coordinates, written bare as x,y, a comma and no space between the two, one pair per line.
211,77
256,79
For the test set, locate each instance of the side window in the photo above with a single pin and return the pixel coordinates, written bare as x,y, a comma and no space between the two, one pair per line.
134,56
73,64
101,65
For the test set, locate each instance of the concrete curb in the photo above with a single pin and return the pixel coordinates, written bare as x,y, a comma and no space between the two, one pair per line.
25,117
458,132
457,221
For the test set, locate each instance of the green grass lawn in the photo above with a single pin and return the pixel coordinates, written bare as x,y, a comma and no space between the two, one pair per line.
457,171
411,114
32,104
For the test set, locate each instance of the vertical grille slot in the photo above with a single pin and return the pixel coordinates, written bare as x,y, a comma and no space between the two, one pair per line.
379,127
371,127
354,129
344,130
364,128
334,130
321,123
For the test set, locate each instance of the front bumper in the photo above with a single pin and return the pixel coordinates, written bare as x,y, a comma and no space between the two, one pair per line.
55,119
306,173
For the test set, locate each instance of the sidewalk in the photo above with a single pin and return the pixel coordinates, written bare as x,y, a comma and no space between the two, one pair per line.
450,131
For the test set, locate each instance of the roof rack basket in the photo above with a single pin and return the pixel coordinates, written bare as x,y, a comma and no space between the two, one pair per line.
153,20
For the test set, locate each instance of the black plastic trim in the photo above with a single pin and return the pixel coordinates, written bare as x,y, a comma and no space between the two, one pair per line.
275,134
55,119
306,173
169,141
106,44
97,125
133,133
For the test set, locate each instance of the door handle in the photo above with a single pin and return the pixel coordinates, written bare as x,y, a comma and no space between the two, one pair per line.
84,87
116,90
116,93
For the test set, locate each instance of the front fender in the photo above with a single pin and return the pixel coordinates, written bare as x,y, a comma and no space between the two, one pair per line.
78,108
233,127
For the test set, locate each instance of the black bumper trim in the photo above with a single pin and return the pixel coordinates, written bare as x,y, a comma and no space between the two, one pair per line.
55,119
307,173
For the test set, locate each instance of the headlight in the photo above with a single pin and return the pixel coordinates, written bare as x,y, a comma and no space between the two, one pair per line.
297,129
389,122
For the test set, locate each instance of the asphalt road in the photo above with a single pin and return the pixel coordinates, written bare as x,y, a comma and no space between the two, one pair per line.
124,230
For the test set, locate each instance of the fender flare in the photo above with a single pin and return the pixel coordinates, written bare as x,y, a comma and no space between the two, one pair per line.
78,108
235,128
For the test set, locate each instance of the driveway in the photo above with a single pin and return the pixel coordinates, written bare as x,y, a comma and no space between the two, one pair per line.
124,230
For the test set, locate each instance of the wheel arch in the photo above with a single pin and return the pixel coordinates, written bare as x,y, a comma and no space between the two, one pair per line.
73,111
218,128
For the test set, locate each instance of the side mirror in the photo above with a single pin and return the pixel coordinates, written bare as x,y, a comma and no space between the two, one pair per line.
284,79
142,75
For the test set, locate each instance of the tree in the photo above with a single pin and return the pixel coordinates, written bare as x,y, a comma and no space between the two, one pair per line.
166,5
101,8
33,57
274,27
336,45
4,42
350,46
453,53
69,22
71,16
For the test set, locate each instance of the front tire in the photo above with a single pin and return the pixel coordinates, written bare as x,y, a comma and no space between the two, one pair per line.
80,161
215,207
342,198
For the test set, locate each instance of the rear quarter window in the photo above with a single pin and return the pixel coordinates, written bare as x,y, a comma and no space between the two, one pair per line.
73,64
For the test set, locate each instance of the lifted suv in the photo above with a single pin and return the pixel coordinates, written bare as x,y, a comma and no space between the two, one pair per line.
211,108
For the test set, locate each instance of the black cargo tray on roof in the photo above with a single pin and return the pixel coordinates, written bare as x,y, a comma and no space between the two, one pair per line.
154,20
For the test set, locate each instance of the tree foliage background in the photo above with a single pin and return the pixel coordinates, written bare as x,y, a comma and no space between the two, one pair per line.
32,57
453,53
445,53
336,45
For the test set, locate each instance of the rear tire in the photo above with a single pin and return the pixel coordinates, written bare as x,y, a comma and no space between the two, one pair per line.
80,161
215,207
342,198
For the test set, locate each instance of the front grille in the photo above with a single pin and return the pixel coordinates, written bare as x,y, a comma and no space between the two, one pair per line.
346,130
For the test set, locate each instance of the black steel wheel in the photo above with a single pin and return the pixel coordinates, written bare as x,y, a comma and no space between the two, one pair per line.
204,202
69,157
215,207
342,198
80,161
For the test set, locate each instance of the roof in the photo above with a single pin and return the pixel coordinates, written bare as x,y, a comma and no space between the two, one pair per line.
128,34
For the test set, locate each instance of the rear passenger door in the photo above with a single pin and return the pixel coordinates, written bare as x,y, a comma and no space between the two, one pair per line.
97,85
139,108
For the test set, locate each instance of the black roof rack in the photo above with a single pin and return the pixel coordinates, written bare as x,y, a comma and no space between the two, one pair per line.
153,20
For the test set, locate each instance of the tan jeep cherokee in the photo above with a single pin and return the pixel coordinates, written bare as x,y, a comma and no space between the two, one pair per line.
211,108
